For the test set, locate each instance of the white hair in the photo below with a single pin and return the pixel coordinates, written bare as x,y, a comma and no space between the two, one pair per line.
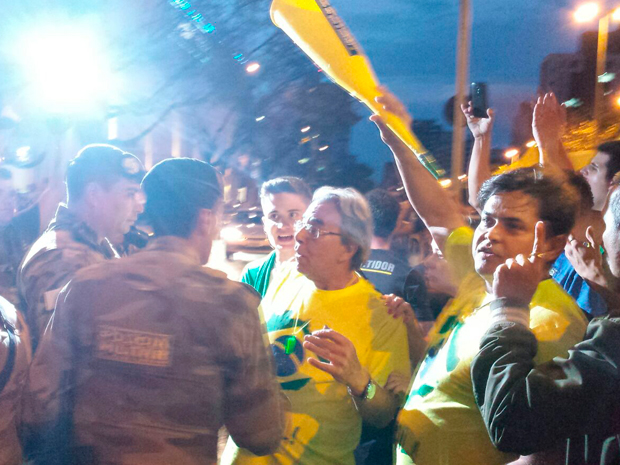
356,219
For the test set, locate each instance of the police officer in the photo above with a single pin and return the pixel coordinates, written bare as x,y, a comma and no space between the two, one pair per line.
103,201
147,357
17,233
15,357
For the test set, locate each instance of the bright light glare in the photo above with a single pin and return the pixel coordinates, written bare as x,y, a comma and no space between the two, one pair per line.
615,16
618,101
231,234
530,144
252,67
322,149
445,183
22,153
260,118
587,12
511,153
66,68
305,129
112,128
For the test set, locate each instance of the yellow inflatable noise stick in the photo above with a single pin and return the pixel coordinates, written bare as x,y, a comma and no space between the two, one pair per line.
317,29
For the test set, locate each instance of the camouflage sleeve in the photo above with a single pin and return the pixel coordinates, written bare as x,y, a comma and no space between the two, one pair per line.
46,409
14,363
254,407
41,280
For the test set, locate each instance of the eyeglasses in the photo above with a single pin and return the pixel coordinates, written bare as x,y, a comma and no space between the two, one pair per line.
314,232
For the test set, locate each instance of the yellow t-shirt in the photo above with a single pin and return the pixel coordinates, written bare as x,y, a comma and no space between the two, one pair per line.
440,423
324,424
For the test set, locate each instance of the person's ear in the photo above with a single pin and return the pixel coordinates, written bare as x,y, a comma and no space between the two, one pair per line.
350,251
206,222
92,194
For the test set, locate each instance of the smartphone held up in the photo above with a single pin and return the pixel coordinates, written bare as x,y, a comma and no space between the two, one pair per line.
479,99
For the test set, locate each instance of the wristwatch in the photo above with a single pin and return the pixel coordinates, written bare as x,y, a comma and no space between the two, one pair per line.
368,393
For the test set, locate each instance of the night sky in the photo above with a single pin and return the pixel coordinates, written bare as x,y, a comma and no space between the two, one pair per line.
412,45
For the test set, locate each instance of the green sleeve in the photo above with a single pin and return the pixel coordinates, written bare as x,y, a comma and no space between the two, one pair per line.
249,276
258,276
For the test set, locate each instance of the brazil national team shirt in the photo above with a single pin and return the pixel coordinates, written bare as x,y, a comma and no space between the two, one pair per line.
440,423
258,273
324,426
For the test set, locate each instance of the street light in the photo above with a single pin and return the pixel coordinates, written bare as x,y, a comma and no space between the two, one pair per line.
510,154
586,12
252,67
66,67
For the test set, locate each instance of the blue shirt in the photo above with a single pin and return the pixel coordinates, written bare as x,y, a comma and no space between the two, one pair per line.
587,298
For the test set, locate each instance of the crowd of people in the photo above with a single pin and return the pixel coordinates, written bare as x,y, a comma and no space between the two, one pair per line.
503,346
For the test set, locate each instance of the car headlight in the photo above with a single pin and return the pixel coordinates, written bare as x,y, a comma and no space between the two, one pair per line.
231,234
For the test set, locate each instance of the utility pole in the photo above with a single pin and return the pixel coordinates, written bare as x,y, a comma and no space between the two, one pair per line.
462,76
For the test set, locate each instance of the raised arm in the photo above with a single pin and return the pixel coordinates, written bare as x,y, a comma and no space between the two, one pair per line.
547,126
434,205
479,169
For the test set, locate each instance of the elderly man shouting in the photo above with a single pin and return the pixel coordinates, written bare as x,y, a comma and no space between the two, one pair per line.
333,340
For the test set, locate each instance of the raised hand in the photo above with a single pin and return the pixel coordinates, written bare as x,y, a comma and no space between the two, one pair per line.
341,358
517,279
391,103
586,258
479,127
548,121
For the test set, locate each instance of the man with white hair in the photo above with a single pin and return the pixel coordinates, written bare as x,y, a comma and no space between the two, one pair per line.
333,340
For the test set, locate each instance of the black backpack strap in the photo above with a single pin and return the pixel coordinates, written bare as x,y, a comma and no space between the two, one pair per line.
7,370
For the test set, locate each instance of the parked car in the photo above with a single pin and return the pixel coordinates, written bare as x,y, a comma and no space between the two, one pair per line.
242,231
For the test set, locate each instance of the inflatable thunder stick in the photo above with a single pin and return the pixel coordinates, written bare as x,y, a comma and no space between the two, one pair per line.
317,29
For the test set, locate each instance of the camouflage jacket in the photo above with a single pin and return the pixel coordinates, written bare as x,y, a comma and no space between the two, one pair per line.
66,246
148,357
15,240
15,356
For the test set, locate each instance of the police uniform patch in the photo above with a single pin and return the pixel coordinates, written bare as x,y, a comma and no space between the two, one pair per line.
134,347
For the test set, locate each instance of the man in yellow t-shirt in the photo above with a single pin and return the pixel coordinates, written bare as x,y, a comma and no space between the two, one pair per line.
334,342
440,423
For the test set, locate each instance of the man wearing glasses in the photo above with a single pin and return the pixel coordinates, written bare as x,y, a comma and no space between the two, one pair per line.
333,340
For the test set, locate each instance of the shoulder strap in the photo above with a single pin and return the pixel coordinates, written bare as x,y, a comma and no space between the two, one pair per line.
7,370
